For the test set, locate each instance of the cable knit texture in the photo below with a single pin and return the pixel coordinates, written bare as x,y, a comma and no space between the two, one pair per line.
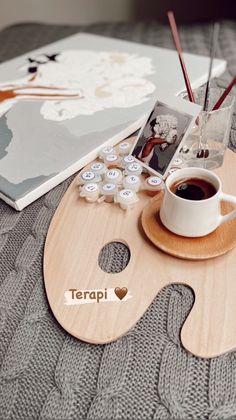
47,374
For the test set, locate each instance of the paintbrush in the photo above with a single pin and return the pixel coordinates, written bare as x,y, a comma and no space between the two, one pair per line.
214,40
178,47
224,95
205,152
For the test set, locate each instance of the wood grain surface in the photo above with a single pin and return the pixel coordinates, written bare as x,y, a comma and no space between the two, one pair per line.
78,232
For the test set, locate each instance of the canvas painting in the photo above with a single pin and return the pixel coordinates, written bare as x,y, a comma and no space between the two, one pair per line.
61,103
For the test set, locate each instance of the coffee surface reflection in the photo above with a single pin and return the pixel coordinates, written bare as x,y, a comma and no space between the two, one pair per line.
193,189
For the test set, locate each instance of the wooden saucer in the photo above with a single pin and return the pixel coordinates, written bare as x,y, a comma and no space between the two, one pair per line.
217,243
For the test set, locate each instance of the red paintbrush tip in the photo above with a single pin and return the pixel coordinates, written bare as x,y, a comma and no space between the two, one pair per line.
224,95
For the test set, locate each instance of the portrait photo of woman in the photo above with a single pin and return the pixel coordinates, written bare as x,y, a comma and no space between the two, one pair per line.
160,137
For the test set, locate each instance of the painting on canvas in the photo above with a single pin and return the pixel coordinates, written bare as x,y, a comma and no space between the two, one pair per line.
61,103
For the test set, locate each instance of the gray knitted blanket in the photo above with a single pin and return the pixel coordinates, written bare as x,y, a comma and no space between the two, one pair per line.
47,374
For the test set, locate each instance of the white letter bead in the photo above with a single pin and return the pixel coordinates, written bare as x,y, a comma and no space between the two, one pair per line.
108,191
88,176
90,192
106,151
132,182
133,168
126,198
98,168
127,160
124,148
113,175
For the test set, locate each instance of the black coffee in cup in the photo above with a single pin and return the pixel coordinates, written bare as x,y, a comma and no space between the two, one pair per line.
193,189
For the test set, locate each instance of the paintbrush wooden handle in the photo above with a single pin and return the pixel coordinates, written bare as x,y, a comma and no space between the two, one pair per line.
224,95
178,47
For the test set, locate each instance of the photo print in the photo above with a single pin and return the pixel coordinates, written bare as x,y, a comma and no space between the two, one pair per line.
162,135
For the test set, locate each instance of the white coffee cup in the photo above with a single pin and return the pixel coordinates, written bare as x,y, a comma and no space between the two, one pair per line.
194,218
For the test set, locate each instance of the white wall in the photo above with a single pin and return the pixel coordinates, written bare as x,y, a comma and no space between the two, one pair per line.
64,11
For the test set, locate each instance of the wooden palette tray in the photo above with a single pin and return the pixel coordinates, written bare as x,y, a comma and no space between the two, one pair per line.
78,232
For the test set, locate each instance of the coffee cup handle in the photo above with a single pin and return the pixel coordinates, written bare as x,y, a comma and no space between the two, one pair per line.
230,199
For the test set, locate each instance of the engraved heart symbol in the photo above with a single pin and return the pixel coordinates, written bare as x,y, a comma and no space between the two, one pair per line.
121,292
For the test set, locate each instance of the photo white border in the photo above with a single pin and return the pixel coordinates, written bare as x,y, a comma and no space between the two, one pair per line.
179,105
